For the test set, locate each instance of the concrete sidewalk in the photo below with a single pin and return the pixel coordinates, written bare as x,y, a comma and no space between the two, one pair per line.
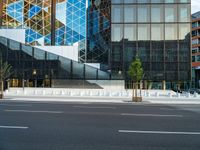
101,100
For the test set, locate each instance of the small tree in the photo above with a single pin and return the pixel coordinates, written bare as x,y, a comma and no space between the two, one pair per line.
136,73
5,72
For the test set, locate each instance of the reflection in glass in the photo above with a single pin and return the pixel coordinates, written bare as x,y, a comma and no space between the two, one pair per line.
184,13
184,30
117,12
143,13
157,13
157,32
117,32
129,13
171,32
171,13
144,32
130,32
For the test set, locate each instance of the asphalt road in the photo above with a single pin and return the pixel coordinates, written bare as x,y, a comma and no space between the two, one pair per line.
90,126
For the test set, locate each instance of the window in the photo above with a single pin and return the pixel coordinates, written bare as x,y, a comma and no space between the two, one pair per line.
184,13
156,1
157,13
171,13
171,32
143,32
194,41
184,30
129,13
143,13
130,32
117,32
117,13
157,32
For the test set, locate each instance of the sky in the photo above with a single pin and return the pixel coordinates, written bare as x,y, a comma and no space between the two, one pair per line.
195,6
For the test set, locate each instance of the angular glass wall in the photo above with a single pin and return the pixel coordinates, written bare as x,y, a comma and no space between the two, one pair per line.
31,63
58,22
12,13
98,32
76,21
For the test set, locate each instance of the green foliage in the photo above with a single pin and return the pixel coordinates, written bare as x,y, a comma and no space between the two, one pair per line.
135,70
5,70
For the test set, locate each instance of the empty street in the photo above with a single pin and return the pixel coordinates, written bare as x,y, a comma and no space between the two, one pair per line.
92,126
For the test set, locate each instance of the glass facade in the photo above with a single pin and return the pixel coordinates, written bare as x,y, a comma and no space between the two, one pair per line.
158,31
98,32
49,22
33,64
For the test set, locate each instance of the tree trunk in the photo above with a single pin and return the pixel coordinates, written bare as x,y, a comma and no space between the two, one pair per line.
133,92
135,96
1,86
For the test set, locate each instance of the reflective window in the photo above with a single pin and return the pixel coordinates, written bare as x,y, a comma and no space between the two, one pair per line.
39,54
143,13
184,1
129,13
130,32
143,1
157,32
130,1
171,13
143,32
171,32
184,13
117,1
184,30
170,1
117,13
156,1
129,52
117,32
157,13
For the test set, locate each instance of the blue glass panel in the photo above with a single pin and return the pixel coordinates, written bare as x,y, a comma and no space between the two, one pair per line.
15,10
33,11
32,35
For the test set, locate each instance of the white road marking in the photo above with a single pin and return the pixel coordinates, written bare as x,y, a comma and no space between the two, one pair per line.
150,115
34,111
94,107
158,132
13,127
17,105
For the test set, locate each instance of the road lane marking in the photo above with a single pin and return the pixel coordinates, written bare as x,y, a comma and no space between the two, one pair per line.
150,115
34,111
13,127
158,132
17,105
94,107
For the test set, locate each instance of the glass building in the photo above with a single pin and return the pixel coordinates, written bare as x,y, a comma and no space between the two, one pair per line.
110,33
158,31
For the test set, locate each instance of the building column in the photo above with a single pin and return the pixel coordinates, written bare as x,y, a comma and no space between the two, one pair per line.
53,21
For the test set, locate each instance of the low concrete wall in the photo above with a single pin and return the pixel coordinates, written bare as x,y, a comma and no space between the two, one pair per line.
114,93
